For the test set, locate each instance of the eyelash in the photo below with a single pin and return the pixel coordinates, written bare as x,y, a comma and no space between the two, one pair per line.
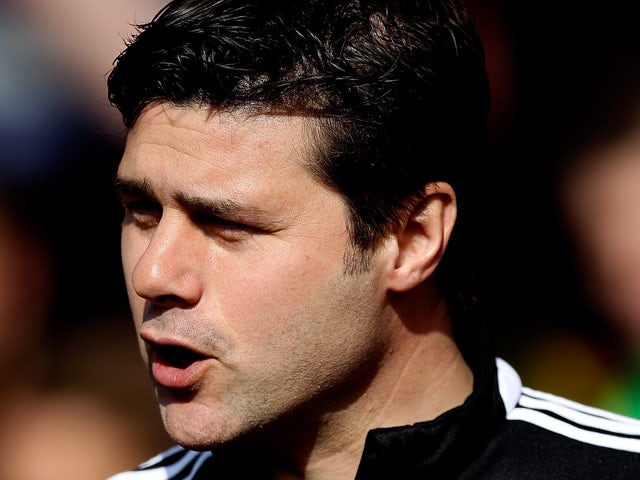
147,214
143,213
206,219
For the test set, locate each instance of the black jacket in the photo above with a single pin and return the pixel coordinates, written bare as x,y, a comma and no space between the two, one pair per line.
502,431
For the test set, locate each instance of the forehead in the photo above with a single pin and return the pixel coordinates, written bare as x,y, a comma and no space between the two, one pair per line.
230,141
227,128
259,162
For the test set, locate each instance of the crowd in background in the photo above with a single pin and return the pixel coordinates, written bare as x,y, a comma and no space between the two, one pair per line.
559,252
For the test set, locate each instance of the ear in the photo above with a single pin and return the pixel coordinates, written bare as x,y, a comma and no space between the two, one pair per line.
422,240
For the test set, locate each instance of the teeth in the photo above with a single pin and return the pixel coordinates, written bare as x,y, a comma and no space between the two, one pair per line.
178,357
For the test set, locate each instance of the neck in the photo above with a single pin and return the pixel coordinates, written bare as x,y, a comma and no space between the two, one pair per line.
421,375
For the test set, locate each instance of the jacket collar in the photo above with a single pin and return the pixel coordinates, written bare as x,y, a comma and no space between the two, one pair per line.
443,447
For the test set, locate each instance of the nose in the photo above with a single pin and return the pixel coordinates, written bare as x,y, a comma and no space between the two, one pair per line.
167,273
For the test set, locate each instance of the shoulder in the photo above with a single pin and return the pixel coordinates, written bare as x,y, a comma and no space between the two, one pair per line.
565,417
576,421
552,434
174,463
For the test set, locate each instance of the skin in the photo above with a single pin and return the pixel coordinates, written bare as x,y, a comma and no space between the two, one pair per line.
232,249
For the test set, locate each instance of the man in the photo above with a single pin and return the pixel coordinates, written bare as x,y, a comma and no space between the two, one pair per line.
290,182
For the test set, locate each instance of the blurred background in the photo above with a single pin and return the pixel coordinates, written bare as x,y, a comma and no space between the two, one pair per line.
76,402
559,198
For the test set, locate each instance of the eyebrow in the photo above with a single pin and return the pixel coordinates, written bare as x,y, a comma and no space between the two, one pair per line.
225,208
125,187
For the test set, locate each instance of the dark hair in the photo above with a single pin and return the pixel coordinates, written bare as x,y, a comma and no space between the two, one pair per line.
399,88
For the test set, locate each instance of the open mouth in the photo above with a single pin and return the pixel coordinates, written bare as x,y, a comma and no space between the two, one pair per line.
175,356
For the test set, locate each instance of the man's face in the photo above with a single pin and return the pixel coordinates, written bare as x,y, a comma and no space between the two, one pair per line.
233,256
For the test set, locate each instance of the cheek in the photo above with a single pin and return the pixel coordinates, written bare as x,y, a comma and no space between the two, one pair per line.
298,308
270,284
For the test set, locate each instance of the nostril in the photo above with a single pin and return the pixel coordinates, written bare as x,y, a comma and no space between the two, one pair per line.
169,301
157,305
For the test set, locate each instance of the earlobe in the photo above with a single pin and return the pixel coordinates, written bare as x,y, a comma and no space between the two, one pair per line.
422,240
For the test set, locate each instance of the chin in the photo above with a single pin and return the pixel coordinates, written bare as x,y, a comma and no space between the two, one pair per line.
194,427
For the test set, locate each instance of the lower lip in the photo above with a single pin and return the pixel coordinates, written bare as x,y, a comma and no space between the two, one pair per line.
173,377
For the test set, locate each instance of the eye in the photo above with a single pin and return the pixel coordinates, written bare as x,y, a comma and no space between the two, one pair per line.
143,213
222,227
206,219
